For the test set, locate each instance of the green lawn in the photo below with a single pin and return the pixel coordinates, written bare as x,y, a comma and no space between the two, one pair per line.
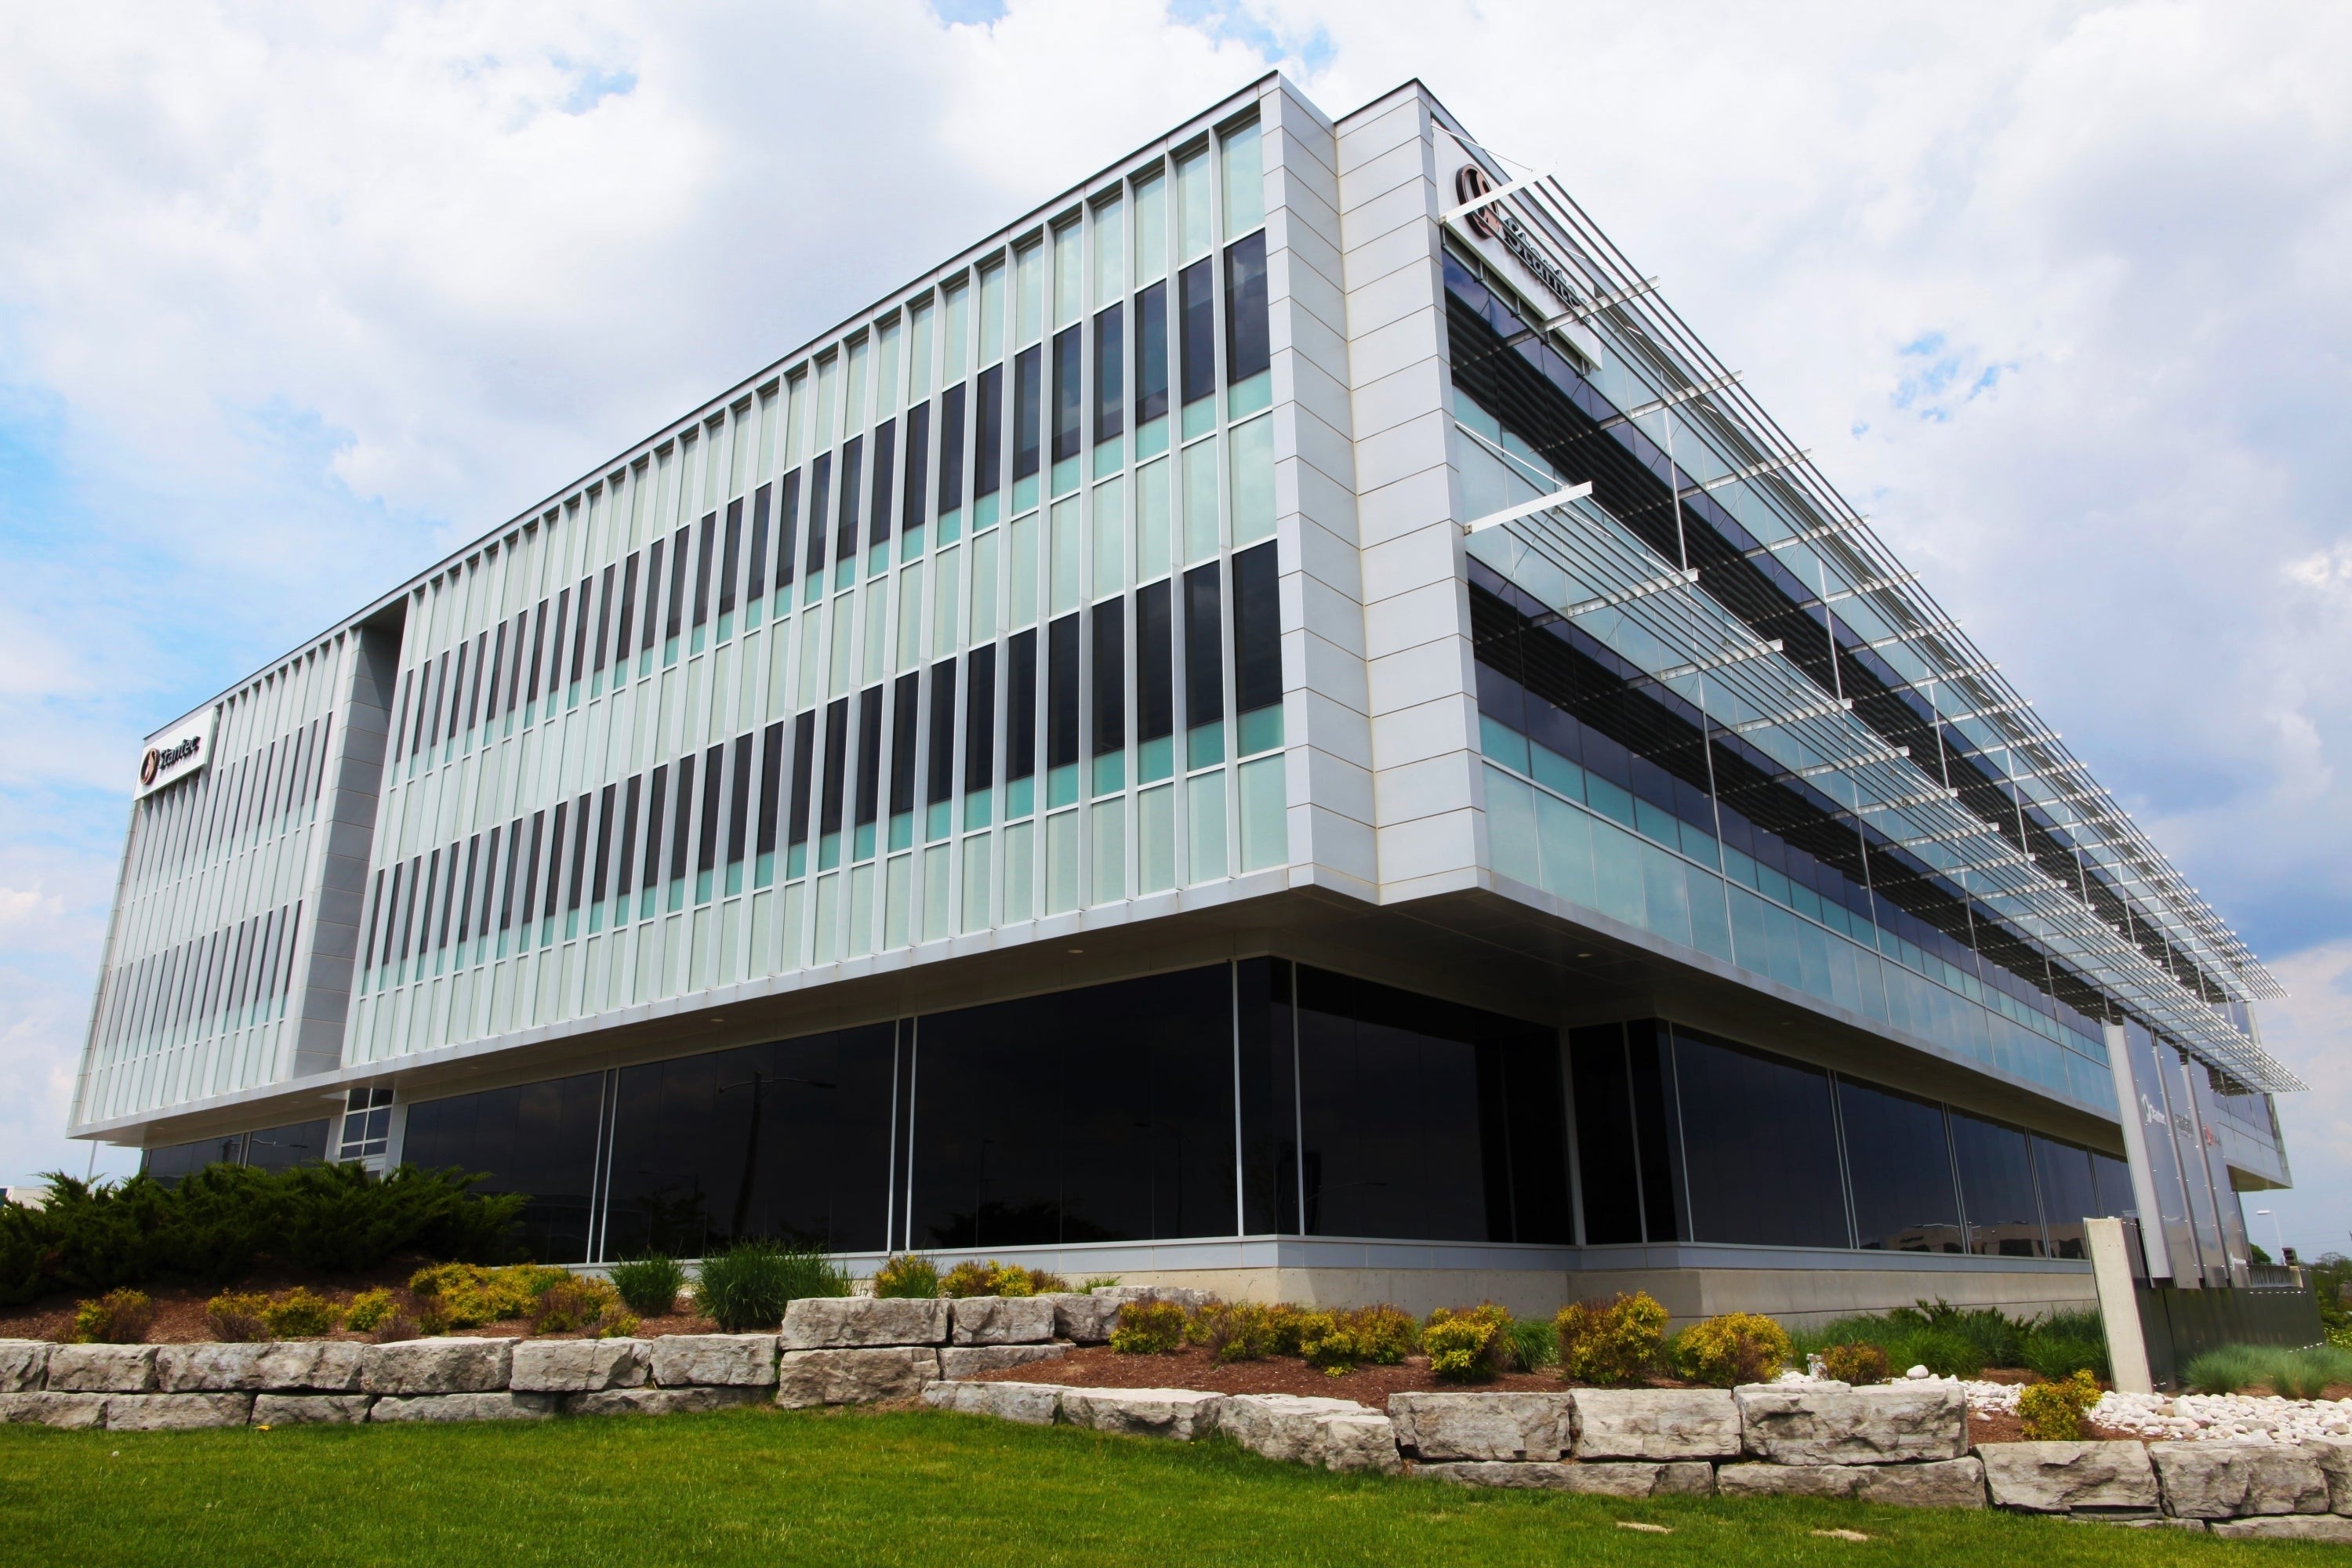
759,1487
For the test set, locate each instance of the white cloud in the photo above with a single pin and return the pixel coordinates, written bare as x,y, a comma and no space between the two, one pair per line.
293,300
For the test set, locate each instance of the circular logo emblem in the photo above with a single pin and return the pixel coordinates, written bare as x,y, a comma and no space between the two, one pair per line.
1469,184
147,766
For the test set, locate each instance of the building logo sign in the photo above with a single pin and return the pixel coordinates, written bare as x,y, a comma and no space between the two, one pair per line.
1492,223
183,753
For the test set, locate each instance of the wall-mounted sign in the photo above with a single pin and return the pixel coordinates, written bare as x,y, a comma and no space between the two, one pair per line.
184,752
1507,243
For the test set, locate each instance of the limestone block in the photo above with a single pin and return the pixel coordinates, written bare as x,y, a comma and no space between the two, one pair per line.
2056,1477
2290,1527
1685,1477
66,1410
1003,1320
207,1368
309,1409
854,1376
330,1366
579,1366
2208,1480
1086,1319
1030,1403
845,1322
1501,1428
1657,1424
971,1361
1885,1426
176,1412
2334,1455
22,1364
737,1360
101,1368
1327,1434
1182,1414
411,1367
657,1401
499,1405
1937,1483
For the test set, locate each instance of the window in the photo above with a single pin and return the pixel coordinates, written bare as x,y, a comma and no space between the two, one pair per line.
1062,711
1257,649
538,1138
1248,340
2069,1193
1997,1188
1195,288
1020,724
869,771
1110,358
367,1124
1205,683
1068,408
1628,1141
939,783
1744,1115
1108,673
1899,1161
1150,359
1155,682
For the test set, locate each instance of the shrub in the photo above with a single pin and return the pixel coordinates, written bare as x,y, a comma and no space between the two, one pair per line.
368,1311
2225,1370
579,1302
1044,1283
1148,1328
1384,1335
1858,1365
1012,1279
1245,1330
1733,1349
466,1295
213,1224
649,1284
746,1287
1466,1346
2056,1356
1992,1338
969,1277
907,1275
117,1318
1611,1342
619,1326
2052,1412
300,1314
236,1316
972,1278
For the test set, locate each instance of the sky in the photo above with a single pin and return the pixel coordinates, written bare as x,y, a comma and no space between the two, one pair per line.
294,299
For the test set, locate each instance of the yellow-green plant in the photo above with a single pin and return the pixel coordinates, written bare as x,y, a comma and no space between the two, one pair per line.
1148,1328
579,1302
367,1311
466,1295
1857,1365
1465,1345
237,1316
1611,1342
619,1326
969,1277
1384,1335
117,1318
1245,1330
299,1314
907,1274
2052,1412
1733,1349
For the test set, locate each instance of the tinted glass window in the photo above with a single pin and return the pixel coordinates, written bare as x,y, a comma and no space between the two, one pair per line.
1104,1114
537,1138
1759,1147
169,1163
1900,1161
1996,1188
275,1148
790,1140
1607,1167
1425,1119
2069,1190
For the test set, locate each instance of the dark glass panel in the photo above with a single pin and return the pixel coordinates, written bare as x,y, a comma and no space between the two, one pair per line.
1268,1062
705,560
1027,1132
535,1137
1247,342
836,766
173,1161
1062,692
1607,1167
1069,349
1760,1147
1657,1130
730,552
1899,1161
796,818
788,523
904,701
1155,656
952,448
1020,706
987,434
1110,379
1257,629
1151,353
1204,688
1109,673
853,470
885,460
1196,295
278,1148
2069,1193
679,544
869,756
738,799
918,455
2113,1179
980,718
939,782
789,1140
1027,368
772,783
819,498
1997,1188
762,505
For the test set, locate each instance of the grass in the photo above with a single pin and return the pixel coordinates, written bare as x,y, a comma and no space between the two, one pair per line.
762,1487
1959,1342
2296,1373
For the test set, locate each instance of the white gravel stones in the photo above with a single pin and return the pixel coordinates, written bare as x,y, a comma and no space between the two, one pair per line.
2232,1417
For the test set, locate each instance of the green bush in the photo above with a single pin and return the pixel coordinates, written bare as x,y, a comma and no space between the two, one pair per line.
1245,1330
2292,1374
2308,1374
300,1314
580,1302
2052,1412
746,1287
908,1275
1339,1342
2226,1370
1534,1344
1611,1342
1148,1327
649,1284
117,1318
1468,1345
466,1295
1860,1365
368,1311
215,1224
1733,1349
972,1278
236,1316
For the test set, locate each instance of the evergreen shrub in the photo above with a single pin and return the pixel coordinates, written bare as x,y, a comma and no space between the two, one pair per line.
2052,1412
1860,1365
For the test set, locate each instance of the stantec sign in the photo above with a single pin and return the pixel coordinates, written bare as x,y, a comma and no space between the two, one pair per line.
183,753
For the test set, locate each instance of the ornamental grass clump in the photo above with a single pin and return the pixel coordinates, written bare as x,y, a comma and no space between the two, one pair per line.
117,1318
2052,1412
235,1316
908,1275
2308,1374
1611,1342
1534,1344
1469,1344
649,1285
1148,1327
1733,1349
1855,1363
746,1287
300,1314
